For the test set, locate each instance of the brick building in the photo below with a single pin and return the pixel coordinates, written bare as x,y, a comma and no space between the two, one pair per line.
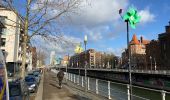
78,60
94,59
137,50
153,55
164,39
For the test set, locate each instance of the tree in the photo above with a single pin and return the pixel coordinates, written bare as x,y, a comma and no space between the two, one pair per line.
40,17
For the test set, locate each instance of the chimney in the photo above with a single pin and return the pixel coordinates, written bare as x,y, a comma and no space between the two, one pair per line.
141,39
167,28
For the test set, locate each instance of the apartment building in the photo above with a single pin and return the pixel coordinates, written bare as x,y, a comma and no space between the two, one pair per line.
12,40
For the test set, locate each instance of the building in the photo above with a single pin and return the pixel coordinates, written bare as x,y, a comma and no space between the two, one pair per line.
65,61
153,55
78,60
164,39
52,58
2,26
138,55
12,38
94,59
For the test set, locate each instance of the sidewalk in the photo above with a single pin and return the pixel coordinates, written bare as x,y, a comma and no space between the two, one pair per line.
51,90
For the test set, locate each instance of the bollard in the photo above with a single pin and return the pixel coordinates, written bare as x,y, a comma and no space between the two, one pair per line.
74,78
71,77
78,80
109,90
82,82
163,94
88,80
97,90
128,91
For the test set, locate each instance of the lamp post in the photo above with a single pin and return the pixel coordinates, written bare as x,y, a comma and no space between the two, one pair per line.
85,43
67,67
131,17
151,62
115,63
155,63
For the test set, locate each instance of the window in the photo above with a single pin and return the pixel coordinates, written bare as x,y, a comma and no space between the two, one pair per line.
3,42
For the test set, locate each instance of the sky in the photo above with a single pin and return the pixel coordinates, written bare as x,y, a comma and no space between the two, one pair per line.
106,31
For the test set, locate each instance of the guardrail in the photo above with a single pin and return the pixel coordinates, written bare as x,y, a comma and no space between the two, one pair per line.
162,72
108,89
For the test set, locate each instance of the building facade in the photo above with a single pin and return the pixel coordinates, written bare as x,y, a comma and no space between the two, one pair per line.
164,39
12,37
137,53
79,60
153,55
94,59
65,61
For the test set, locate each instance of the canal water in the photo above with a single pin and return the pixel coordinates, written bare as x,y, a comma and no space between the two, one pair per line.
118,91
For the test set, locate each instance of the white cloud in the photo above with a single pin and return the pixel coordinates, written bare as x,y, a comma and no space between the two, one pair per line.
65,45
95,36
116,51
146,16
98,12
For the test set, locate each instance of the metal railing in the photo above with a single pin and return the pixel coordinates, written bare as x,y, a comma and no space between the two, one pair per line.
162,72
109,89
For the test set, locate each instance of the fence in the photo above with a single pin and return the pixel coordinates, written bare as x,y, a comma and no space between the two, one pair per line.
116,90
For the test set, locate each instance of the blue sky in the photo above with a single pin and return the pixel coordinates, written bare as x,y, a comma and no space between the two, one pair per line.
106,31
109,34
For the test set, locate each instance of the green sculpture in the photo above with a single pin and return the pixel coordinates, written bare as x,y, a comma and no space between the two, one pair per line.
132,17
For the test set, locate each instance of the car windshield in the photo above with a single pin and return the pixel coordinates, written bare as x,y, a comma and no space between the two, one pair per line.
29,79
36,73
14,90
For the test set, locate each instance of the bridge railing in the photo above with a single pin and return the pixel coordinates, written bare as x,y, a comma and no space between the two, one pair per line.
115,90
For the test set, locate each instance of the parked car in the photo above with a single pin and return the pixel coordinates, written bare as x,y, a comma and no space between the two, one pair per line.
31,82
18,90
36,75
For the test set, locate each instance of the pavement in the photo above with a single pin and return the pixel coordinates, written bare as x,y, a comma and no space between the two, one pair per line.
49,90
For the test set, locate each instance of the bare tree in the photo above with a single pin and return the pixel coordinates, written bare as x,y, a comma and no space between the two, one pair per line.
40,17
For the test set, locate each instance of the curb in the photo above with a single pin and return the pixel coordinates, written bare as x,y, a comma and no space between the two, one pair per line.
39,94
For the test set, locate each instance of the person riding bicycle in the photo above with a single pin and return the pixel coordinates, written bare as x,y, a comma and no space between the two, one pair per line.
60,76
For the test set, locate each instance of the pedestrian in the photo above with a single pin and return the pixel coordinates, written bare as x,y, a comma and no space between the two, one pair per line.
60,76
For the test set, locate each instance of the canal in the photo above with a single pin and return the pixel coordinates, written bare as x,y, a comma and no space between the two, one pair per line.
118,91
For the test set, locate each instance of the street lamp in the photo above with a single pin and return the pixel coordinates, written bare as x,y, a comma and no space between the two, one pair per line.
115,63
151,62
85,43
155,63
131,17
67,67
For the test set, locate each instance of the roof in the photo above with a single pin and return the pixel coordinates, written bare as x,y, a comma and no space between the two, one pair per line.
134,40
145,42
